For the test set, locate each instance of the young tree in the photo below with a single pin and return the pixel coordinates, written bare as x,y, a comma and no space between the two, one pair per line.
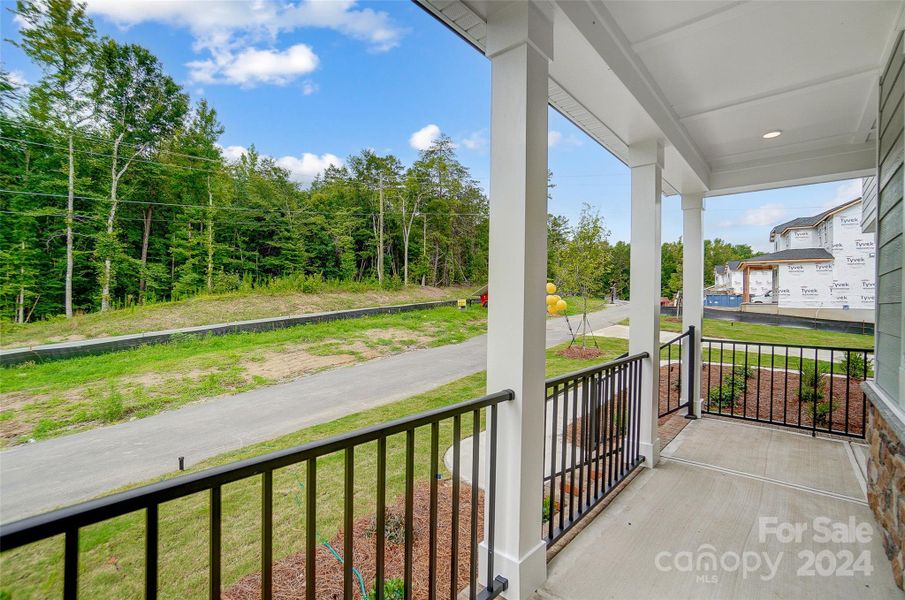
139,106
583,260
59,36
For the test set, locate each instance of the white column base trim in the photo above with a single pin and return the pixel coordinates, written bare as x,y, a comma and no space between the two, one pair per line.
525,575
651,453
697,407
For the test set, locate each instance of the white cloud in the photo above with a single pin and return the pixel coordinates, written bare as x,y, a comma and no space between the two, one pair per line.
253,66
305,168
309,87
556,138
424,137
233,153
17,78
302,169
848,190
231,33
477,140
764,215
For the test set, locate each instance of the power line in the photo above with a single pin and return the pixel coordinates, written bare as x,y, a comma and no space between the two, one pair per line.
302,212
102,155
107,141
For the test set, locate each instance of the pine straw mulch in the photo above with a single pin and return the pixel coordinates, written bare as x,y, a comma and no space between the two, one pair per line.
580,352
776,399
289,573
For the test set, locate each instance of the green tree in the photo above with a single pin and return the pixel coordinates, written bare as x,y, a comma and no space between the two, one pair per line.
583,260
59,37
670,268
718,252
139,106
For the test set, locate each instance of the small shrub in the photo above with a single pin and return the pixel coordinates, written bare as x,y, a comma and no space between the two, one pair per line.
110,407
733,386
393,589
547,511
852,364
223,282
813,384
392,283
823,412
393,529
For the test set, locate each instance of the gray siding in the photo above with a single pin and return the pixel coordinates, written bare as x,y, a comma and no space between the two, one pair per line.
869,204
887,190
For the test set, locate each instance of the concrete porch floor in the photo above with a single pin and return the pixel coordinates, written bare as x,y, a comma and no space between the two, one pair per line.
717,483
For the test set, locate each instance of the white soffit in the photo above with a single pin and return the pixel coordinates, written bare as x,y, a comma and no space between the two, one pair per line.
731,71
711,77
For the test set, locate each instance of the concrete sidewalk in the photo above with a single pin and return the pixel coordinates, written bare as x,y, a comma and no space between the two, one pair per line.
38,477
677,530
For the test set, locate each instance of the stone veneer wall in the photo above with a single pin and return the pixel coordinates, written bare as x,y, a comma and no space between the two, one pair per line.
886,488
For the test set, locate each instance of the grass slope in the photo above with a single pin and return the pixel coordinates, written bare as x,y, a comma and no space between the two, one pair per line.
50,398
207,309
41,400
111,561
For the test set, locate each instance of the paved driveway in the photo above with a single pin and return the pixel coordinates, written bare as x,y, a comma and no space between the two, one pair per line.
38,477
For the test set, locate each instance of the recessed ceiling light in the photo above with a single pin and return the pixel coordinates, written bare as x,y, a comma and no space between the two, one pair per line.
772,134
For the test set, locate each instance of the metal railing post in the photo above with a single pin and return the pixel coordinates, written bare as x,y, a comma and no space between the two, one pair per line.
693,372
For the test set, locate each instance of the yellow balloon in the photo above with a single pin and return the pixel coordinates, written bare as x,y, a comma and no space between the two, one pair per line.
551,288
561,305
550,300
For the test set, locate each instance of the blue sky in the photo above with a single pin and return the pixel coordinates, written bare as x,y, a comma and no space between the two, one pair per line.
311,83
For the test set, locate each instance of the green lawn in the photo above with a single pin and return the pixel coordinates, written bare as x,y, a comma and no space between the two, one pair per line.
111,558
753,332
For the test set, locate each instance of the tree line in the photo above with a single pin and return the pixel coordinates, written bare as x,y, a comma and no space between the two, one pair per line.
113,190
582,259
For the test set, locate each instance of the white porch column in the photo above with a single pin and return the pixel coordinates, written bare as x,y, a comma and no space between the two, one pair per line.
646,162
693,286
520,45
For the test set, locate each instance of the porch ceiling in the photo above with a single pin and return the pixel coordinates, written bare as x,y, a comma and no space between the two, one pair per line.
711,77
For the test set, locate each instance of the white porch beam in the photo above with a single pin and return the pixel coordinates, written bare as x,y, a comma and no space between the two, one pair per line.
520,46
646,162
693,289
801,168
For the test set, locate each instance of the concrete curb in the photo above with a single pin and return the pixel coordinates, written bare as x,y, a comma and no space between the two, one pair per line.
14,356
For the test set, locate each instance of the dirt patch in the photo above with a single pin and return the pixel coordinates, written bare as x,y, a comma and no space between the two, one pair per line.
293,362
289,573
13,429
579,352
16,400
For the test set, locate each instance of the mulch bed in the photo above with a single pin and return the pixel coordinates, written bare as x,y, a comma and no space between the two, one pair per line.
672,379
779,390
289,573
580,352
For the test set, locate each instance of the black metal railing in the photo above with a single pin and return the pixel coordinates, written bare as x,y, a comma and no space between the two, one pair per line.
68,521
679,368
591,440
814,388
